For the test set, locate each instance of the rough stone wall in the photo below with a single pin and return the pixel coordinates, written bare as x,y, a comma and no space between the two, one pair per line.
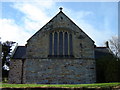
59,71
38,47
83,47
38,44
38,68
15,71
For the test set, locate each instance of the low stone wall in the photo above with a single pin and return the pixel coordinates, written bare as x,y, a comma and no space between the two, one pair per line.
59,71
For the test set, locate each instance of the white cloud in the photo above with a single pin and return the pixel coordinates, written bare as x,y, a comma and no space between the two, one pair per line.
99,36
31,11
12,32
37,14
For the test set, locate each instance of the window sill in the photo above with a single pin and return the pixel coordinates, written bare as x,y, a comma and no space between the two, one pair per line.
60,56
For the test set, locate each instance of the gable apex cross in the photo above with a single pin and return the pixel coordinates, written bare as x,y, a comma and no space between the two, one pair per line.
60,8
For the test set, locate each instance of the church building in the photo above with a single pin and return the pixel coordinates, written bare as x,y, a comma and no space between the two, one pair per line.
59,53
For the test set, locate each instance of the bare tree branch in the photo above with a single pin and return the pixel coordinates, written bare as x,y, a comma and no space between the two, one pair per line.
115,45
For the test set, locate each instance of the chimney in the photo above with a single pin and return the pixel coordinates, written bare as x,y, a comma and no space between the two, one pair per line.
107,44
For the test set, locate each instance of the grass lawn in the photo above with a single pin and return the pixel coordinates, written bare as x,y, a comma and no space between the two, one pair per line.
97,85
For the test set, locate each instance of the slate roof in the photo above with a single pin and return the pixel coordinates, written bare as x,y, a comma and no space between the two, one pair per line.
102,51
19,53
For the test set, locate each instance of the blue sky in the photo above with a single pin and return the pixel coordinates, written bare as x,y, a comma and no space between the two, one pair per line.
20,20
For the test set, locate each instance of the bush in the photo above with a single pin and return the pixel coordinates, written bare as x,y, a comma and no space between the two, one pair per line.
108,69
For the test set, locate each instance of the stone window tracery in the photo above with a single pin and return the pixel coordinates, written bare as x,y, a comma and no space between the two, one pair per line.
60,44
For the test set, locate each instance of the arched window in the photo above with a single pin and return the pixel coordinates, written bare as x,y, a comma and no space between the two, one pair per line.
55,43
70,45
50,43
65,44
60,43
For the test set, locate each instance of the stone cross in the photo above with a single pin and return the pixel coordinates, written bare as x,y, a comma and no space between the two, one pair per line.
60,8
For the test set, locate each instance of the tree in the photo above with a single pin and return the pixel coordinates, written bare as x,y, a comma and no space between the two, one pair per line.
115,46
6,54
108,66
107,69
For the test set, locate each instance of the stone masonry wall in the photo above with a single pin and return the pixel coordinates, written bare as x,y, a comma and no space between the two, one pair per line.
38,47
38,44
39,68
15,71
59,71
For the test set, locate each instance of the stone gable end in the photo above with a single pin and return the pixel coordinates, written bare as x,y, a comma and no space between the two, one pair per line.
59,53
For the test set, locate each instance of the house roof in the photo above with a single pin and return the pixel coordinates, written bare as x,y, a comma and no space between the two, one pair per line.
19,53
102,51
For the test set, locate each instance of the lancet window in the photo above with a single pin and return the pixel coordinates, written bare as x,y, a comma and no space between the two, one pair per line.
60,44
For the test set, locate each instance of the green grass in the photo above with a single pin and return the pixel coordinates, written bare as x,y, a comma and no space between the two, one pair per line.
97,85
